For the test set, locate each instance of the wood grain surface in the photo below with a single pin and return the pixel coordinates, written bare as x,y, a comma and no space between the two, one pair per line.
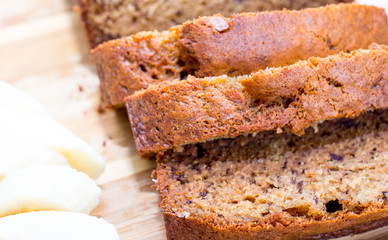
43,50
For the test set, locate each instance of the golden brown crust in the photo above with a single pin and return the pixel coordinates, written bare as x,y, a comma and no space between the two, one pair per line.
176,113
105,20
279,38
289,81
233,51
194,228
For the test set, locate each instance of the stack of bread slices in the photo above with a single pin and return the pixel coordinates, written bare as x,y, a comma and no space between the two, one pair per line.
265,125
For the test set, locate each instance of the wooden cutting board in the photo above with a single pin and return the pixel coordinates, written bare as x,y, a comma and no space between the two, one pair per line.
43,51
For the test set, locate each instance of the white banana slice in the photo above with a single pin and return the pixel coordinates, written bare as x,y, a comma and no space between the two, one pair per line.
17,155
47,188
16,99
48,225
45,131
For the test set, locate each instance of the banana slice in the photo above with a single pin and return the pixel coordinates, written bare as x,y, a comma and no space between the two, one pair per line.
17,155
45,131
48,225
16,99
47,188
25,119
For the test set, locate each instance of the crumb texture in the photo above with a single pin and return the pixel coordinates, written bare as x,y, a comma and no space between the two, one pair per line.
326,182
285,98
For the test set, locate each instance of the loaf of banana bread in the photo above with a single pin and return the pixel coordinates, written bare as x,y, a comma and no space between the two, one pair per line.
244,43
172,114
105,19
330,182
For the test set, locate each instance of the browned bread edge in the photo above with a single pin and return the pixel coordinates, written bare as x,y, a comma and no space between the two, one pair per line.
191,228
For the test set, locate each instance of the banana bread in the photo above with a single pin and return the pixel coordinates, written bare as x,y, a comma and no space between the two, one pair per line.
212,46
330,182
172,114
105,20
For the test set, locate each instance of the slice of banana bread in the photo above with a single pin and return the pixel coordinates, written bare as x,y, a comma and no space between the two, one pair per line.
105,19
172,114
211,46
330,182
